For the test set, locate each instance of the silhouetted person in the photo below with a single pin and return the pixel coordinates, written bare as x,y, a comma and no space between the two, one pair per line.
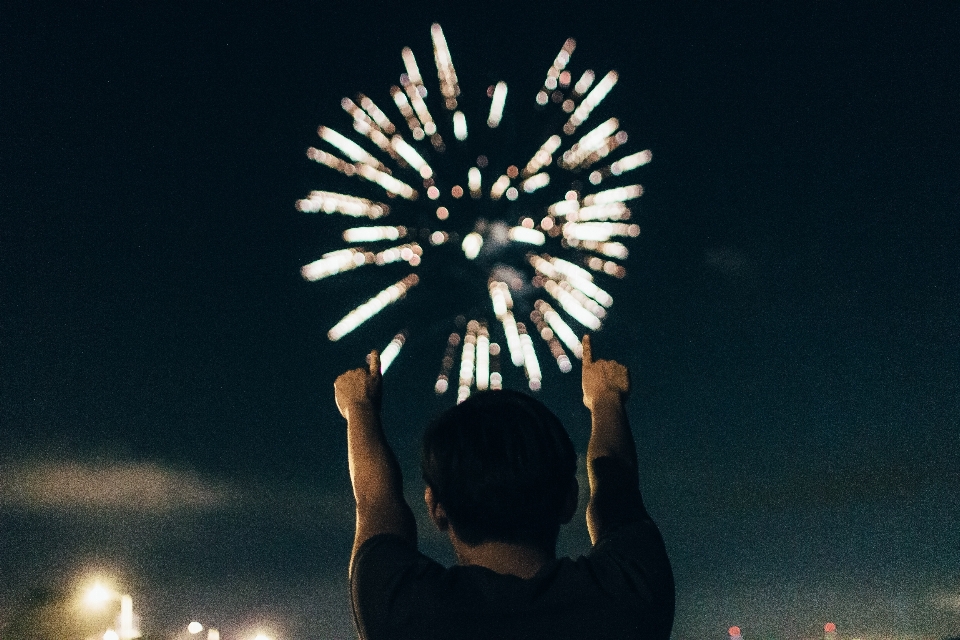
500,474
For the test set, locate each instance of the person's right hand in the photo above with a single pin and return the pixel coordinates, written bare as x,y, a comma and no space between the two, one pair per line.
359,388
602,379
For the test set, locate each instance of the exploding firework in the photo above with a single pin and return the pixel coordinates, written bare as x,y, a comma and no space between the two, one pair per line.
507,253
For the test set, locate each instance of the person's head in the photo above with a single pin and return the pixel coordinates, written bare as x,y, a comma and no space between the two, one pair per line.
503,469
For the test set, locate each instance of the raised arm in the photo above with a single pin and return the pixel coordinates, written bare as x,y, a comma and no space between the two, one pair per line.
611,454
374,471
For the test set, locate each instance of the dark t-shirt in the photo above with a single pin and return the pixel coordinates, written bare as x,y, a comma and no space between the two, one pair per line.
623,588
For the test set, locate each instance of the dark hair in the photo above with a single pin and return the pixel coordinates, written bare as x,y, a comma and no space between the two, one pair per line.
501,464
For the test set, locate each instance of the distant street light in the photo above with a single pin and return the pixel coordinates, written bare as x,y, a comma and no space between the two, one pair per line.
99,595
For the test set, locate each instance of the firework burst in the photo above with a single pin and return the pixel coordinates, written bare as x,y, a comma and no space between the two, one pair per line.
512,254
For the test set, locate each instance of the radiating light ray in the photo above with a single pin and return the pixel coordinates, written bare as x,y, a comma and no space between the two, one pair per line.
473,182
496,105
445,71
373,234
608,267
599,230
333,263
553,73
570,304
483,359
547,334
378,138
609,144
590,102
404,105
564,208
409,253
410,62
471,245
415,92
619,194
525,235
542,157
391,184
582,280
390,352
588,144
583,83
377,114
330,202
611,249
560,328
502,303
468,360
443,379
609,211
459,125
410,154
628,163
530,363
372,307
585,301
535,182
332,161
350,148
496,191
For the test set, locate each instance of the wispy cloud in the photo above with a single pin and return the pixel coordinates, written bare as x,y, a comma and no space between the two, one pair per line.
145,487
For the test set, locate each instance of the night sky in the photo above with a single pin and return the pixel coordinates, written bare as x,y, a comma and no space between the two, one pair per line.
791,318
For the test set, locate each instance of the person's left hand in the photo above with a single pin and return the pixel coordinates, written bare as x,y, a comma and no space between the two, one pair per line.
359,388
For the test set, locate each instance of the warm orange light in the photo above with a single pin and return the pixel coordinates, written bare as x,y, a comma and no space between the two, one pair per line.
830,627
457,191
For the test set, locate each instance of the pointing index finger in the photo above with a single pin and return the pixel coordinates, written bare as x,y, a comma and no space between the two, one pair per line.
587,353
375,363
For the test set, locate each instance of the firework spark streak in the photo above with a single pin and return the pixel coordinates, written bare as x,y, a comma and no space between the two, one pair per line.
491,242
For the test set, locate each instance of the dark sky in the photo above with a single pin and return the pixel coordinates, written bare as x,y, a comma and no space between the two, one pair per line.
791,317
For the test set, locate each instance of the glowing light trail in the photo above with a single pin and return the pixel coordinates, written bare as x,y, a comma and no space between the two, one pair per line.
620,194
459,126
560,328
329,202
445,71
390,352
372,307
410,154
590,102
373,234
496,105
350,148
391,184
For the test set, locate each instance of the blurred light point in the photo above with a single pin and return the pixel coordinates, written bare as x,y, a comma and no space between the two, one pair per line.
734,632
830,627
263,637
194,627
98,595
110,634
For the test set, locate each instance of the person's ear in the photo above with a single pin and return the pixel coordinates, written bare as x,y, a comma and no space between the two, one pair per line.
435,510
570,502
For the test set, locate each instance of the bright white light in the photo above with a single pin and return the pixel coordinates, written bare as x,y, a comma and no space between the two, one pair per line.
513,338
410,155
538,181
350,148
389,183
618,194
110,634
633,161
499,187
590,102
213,634
413,71
194,627
529,236
560,328
329,202
583,83
372,234
459,125
473,181
445,70
332,161
564,208
262,637
496,105
471,245
496,380
467,359
530,362
543,155
332,263
501,298
572,306
512,193
610,211
585,148
379,116
390,352
599,231
99,595
483,361
372,307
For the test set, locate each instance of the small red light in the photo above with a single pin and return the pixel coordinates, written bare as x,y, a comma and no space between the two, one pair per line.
734,632
830,627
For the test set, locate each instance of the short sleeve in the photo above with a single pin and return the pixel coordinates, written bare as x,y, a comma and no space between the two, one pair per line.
381,567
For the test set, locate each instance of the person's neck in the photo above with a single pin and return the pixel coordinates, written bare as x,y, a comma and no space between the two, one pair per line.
523,561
